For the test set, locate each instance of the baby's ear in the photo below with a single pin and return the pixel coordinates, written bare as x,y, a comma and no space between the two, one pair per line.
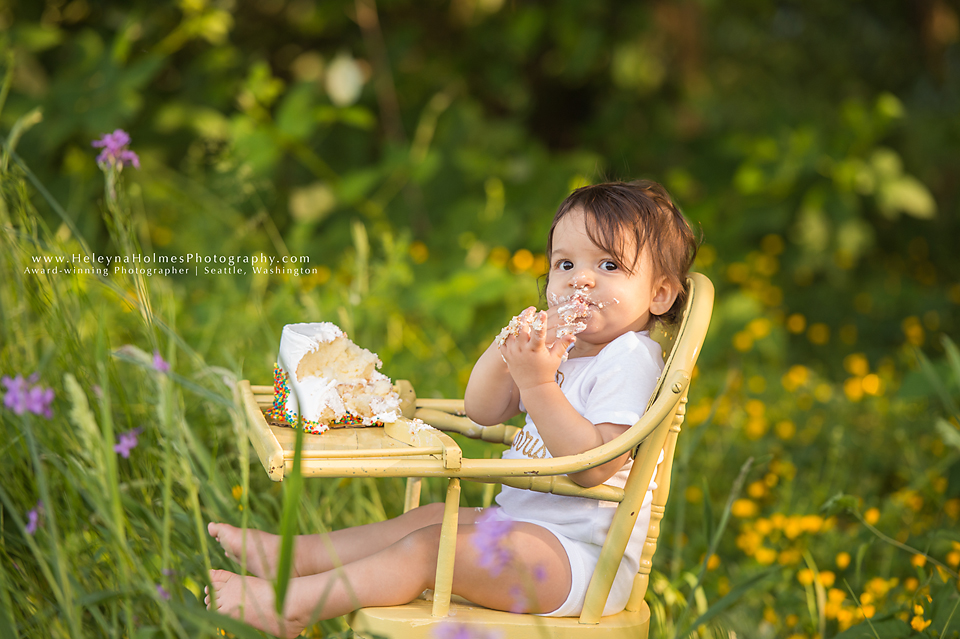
664,295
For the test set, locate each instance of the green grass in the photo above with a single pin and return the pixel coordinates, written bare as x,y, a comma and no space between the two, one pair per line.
117,535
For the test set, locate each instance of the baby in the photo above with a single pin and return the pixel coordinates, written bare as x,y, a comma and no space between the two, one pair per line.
582,371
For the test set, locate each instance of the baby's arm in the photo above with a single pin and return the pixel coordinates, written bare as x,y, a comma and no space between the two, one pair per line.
533,366
491,396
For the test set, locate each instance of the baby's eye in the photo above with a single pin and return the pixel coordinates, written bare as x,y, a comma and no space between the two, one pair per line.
564,265
609,265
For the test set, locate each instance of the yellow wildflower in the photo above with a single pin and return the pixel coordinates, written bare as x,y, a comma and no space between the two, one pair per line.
789,557
842,560
749,541
793,527
765,556
827,578
419,252
805,576
743,341
836,595
952,508
953,558
522,260
786,429
845,618
713,563
723,586
237,492
872,516
759,327
763,526
757,489
770,615
871,384
755,408
818,334
856,364
744,508
911,584
796,323
918,560
918,624
811,523
853,389
795,377
756,428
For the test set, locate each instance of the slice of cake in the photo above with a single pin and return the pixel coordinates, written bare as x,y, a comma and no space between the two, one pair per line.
328,381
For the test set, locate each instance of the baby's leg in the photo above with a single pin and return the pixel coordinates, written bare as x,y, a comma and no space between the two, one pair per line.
321,552
536,579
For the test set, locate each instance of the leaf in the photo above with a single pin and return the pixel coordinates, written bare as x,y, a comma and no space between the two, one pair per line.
732,597
839,503
948,433
926,366
953,356
906,194
886,629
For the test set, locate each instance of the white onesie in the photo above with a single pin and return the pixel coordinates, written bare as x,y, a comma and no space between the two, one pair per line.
613,386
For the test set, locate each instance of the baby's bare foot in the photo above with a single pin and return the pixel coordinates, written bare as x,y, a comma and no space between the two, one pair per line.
263,549
250,599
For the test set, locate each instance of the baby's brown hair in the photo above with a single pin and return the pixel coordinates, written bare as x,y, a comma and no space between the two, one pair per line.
616,210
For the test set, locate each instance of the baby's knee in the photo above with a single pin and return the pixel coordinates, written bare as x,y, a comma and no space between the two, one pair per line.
422,545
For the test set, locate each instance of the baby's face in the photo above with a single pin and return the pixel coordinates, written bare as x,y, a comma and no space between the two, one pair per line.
616,301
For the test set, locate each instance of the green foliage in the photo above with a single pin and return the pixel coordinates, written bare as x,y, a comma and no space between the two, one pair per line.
412,163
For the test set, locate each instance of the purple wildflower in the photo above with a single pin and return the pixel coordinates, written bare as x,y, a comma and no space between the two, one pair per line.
159,363
128,441
163,592
33,519
22,396
540,572
450,630
488,541
115,153
16,397
519,600
39,400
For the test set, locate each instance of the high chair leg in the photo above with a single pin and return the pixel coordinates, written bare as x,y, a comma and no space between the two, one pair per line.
443,585
411,498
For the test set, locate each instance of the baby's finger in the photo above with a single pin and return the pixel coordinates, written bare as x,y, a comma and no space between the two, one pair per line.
562,345
541,332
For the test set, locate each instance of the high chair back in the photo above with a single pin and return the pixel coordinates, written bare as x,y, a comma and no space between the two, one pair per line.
657,430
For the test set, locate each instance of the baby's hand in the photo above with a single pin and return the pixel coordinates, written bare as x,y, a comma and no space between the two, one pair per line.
524,348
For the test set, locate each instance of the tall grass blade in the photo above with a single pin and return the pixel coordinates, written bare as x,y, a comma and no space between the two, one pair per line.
288,521
934,378
714,542
732,597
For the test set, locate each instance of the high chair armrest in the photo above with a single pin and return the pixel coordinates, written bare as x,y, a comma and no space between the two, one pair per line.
441,420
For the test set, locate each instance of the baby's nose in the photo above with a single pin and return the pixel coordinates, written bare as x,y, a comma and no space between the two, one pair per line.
582,278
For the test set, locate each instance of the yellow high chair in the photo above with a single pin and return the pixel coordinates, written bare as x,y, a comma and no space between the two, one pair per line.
407,448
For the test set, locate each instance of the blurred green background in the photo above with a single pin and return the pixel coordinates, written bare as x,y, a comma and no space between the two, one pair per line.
414,152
